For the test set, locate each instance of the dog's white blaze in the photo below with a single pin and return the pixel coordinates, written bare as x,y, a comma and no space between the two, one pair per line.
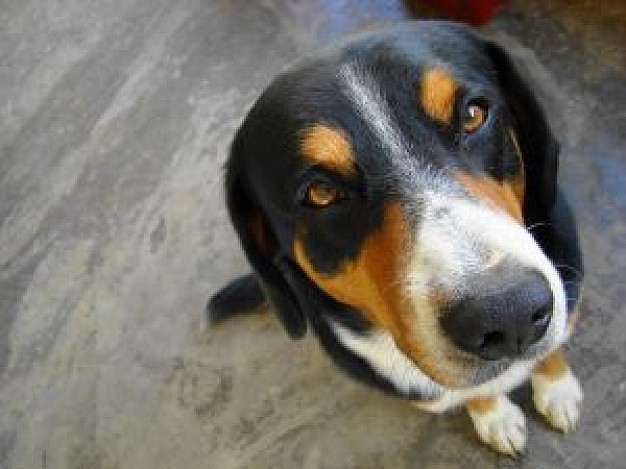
367,98
370,104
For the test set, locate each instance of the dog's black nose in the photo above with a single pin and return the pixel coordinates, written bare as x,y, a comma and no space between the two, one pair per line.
503,324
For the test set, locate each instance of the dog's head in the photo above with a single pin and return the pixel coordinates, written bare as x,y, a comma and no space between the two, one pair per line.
388,186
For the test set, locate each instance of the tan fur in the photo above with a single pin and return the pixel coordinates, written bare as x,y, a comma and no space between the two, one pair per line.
481,405
426,406
366,281
437,89
372,284
501,195
553,367
439,299
328,147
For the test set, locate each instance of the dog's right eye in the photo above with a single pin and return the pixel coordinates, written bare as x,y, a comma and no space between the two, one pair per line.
475,116
320,194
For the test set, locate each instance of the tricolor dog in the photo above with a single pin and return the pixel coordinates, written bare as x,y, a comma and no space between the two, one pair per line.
398,196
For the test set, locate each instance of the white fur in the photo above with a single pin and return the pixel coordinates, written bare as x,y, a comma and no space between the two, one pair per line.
503,427
511,378
558,400
381,352
366,96
369,102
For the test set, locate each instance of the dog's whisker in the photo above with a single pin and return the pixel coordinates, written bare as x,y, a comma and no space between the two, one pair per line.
537,225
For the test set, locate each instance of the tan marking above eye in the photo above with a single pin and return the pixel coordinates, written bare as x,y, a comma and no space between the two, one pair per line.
329,147
437,90
475,116
322,194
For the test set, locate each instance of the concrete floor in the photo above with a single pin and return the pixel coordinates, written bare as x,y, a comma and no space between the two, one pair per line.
116,117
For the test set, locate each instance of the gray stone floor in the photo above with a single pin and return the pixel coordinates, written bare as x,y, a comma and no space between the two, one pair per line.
115,119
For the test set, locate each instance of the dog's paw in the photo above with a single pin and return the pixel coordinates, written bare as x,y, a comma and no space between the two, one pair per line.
500,424
558,400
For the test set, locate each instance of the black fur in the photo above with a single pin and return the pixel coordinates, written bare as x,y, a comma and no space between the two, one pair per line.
242,209
242,295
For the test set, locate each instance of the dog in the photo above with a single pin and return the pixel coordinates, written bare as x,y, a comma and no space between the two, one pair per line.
397,194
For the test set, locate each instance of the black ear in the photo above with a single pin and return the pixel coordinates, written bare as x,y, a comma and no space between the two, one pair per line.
537,142
261,248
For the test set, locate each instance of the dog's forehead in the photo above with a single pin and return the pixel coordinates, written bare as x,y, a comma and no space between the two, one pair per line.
372,99
398,72
389,90
396,58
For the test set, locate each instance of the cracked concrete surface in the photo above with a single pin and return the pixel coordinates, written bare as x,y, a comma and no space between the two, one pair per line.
116,118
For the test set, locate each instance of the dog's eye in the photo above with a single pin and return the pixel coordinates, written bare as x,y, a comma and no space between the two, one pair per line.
321,194
475,116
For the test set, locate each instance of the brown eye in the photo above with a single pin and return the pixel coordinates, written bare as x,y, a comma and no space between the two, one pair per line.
322,194
475,117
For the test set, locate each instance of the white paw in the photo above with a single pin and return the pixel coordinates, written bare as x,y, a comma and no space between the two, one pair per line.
503,427
558,400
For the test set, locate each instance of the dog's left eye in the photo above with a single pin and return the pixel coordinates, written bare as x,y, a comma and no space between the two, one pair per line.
475,116
320,194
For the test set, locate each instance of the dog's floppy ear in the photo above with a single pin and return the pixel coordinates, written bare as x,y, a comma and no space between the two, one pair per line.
537,142
261,248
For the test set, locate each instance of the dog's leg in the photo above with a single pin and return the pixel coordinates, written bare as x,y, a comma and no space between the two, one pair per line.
556,392
499,423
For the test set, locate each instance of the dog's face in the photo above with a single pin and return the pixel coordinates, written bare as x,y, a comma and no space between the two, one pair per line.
385,190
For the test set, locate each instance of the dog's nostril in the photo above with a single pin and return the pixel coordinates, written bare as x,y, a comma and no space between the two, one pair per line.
492,340
541,316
